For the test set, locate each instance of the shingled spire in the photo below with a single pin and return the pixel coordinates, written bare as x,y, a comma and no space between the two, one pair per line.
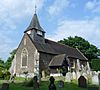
35,31
35,24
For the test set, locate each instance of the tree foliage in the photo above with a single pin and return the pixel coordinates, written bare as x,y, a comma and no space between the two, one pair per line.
9,60
89,50
95,63
2,64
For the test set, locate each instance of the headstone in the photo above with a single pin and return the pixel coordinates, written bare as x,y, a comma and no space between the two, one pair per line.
95,79
68,77
35,83
82,82
52,85
43,74
74,75
93,88
61,84
5,86
99,78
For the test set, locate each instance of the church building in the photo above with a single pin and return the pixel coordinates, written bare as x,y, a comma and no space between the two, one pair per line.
40,56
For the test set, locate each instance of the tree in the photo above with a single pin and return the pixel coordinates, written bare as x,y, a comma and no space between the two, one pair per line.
89,50
2,64
95,64
9,60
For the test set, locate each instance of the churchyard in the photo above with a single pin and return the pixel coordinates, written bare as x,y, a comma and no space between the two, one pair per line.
23,84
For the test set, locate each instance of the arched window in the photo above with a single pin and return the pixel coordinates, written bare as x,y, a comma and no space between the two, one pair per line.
24,58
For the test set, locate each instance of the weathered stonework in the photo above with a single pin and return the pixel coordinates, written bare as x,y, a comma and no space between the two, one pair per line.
31,56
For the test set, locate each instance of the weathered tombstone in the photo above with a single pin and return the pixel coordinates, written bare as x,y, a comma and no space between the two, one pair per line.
52,85
61,84
95,79
5,86
43,74
82,82
99,80
68,77
35,83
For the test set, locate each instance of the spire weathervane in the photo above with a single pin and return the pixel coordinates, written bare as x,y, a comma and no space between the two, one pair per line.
35,9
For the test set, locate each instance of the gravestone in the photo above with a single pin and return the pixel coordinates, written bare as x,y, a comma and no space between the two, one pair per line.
95,79
82,82
35,83
52,85
99,78
43,74
5,86
60,84
68,77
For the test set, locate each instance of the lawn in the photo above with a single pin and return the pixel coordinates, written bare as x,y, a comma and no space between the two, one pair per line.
43,86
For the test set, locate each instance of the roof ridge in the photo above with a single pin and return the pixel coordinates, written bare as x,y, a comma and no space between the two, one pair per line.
61,44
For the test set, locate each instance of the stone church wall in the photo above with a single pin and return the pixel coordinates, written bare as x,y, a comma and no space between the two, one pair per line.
27,44
45,59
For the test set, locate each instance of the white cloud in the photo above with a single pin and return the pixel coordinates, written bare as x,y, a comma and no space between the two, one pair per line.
90,5
19,8
58,6
93,5
88,29
12,11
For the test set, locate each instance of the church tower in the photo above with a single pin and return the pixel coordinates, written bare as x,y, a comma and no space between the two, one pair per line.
35,31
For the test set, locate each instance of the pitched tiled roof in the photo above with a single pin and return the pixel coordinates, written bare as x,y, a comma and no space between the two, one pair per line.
57,60
56,48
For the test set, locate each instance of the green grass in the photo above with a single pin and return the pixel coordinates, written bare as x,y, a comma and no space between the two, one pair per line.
67,86
43,86
19,86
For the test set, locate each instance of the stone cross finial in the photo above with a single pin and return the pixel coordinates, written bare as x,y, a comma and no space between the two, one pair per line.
35,9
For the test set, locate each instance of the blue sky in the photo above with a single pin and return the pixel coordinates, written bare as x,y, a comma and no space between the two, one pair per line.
59,18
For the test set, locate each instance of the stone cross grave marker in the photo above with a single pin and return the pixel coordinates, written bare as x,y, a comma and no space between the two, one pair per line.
82,82
35,83
52,85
